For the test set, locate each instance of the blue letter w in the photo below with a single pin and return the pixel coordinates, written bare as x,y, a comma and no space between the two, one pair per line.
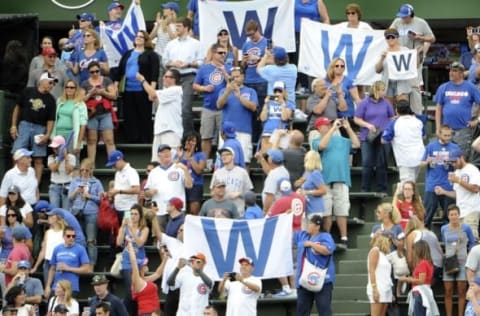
224,262
239,37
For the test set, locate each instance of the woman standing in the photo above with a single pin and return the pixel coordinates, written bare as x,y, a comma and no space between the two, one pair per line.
99,94
194,158
14,198
421,282
61,168
458,239
373,115
389,219
137,106
63,295
71,116
337,80
354,16
312,185
317,247
276,114
51,239
395,89
135,228
408,202
379,287
84,193
91,52
223,39
164,27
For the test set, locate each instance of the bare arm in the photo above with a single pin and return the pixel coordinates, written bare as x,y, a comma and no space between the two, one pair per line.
318,247
438,118
268,202
322,9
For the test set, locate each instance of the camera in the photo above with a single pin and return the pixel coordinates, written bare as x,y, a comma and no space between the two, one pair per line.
269,44
273,98
232,276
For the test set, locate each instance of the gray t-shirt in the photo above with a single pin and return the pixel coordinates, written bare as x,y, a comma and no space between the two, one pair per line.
271,182
329,112
236,180
417,25
473,260
222,209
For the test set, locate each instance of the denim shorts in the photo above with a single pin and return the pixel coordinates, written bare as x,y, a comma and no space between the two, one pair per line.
101,122
25,139
460,276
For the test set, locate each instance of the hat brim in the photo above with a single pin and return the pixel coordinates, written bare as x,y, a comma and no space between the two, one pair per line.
110,163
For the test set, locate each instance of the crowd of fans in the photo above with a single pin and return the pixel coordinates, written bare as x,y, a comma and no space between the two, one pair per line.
248,99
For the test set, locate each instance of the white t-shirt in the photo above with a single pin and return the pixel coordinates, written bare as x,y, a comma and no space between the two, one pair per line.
61,175
125,179
193,293
467,201
25,181
236,180
25,210
407,143
73,308
169,113
241,300
271,182
361,26
175,249
53,239
169,183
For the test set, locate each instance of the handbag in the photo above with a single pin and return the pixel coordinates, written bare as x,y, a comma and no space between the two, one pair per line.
117,266
450,264
313,277
399,264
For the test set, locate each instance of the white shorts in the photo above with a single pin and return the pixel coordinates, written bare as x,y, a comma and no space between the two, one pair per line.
169,138
338,195
245,140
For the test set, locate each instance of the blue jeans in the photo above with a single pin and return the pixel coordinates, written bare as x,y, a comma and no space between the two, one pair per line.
375,157
58,196
91,227
431,201
418,309
25,139
129,303
323,301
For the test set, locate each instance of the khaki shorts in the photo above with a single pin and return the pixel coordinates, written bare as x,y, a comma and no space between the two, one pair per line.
209,122
338,195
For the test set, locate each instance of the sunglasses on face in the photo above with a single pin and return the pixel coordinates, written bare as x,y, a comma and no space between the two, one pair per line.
221,53
94,71
339,66
389,37
196,261
70,87
167,76
70,236
12,193
11,215
222,34
351,13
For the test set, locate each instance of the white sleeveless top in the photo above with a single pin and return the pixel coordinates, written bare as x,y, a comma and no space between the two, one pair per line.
53,239
383,278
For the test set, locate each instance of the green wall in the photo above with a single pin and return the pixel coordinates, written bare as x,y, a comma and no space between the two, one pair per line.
372,9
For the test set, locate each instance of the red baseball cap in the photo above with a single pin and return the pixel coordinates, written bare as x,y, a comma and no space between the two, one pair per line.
48,51
176,202
199,256
322,121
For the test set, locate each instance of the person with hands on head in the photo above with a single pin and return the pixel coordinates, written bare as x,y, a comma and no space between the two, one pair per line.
164,29
243,289
135,228
379,287
68,262
473,297
144,290
193,283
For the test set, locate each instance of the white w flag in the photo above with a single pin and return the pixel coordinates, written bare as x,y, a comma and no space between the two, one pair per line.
275,18
268,241
402,65
118,42
361,49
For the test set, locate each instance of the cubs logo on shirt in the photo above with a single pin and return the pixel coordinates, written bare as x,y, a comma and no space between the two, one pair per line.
202,289
216,77
173,175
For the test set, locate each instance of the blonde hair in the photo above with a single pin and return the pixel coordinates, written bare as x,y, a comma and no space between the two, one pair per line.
88,163
67,288
382,242
313,161
375,89
355,8
94,34
77,97
393,213
414,223
315,82
331,68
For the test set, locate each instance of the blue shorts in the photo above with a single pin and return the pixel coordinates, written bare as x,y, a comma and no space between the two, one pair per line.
25,139
460,276
101,122
195,193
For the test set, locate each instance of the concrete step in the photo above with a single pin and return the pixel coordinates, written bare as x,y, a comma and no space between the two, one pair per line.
352,266
345,306
354,293
350,279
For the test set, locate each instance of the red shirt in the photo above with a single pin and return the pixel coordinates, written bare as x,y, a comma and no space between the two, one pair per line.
424,267
19,252
147,299
295,202
406,212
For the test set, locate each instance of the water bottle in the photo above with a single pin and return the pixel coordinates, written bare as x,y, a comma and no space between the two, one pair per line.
86,311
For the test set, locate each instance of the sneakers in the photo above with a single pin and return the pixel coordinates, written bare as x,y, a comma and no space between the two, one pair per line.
301,91
284,293
343,244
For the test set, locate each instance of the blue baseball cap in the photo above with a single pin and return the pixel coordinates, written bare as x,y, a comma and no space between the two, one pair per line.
171,5
115,5
406,10
19,232
86,16
284,186
229,129
22,152
56,211
162,147
42,206
113,157
23,264
276,155
455,154
279,53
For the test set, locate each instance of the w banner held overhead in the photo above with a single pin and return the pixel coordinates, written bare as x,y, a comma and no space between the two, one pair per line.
268,241
320,43
118,42
275,18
